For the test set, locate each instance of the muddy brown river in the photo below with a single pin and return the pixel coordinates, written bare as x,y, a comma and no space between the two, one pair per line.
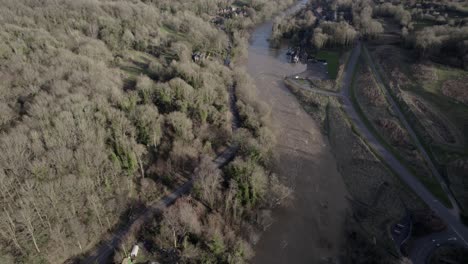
310,230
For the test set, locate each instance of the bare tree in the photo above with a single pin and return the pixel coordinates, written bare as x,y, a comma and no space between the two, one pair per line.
27,219
231,202
8,228
207,181
178,220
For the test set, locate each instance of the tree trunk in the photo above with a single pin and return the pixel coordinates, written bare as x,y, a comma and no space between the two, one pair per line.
175,238
141,168
96,210
35,243
11,229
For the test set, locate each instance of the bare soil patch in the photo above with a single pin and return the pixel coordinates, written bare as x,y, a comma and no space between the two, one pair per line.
395,132
456,89
424,72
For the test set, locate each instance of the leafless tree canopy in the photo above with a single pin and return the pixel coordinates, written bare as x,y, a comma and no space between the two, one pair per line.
103,108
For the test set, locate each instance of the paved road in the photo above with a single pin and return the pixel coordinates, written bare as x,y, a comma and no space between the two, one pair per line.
455,228
104,252
415,139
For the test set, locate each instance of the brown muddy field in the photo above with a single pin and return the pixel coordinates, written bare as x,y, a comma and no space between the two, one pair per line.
310,230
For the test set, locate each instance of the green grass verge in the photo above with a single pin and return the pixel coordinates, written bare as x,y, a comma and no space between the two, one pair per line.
333,61
456,113
443,73
432,185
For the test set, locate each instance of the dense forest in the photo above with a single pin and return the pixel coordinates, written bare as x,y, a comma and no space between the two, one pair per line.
104,109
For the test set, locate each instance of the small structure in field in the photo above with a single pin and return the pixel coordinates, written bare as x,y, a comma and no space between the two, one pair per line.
134,252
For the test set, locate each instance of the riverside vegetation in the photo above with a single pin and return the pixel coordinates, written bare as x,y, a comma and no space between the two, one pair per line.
103,111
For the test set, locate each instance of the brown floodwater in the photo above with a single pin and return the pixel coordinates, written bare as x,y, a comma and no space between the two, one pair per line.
310,230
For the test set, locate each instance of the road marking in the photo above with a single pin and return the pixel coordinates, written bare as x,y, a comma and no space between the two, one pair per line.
460,236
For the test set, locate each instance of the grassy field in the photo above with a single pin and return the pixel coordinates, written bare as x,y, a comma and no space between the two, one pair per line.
442,74
406,159
431,91
333,61
423,83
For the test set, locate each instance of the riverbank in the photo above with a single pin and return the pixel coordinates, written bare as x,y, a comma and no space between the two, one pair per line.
311,229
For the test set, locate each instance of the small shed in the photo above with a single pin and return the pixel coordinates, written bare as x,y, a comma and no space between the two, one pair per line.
134,252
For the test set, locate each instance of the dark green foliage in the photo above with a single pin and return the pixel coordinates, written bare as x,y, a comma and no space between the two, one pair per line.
332,58
123,156
251,181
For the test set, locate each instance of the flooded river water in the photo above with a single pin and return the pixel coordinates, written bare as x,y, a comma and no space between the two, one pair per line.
311,229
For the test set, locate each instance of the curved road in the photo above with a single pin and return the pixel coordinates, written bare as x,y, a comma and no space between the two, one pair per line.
455,228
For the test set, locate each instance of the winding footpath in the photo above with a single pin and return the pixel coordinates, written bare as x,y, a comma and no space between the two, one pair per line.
456,232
